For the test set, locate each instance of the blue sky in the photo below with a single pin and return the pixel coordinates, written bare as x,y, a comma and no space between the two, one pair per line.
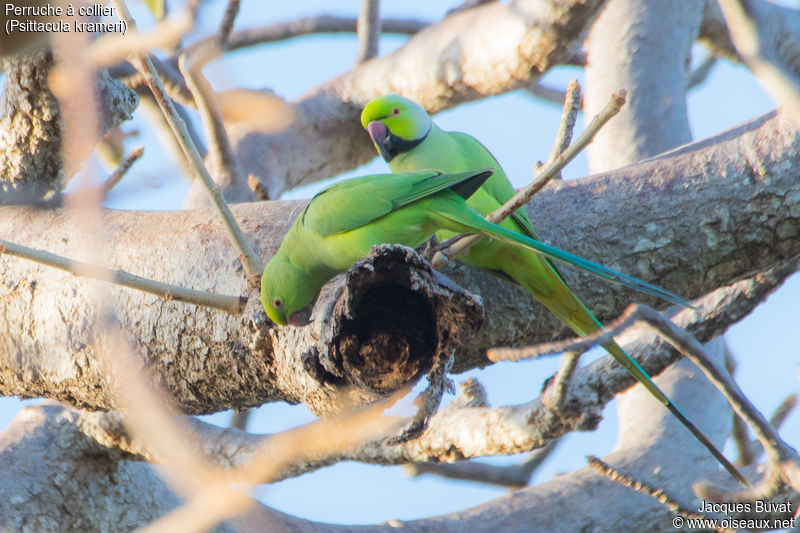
355,493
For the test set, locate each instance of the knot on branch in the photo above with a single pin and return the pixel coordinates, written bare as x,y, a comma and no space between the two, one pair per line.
386,322
393,316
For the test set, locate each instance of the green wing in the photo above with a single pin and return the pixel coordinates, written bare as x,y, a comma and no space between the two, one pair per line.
359,201
498,185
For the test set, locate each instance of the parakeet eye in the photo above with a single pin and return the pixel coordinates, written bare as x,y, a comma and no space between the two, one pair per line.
277,303
396,111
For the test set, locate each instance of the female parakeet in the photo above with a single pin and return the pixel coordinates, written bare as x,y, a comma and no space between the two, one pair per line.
408,140
341,223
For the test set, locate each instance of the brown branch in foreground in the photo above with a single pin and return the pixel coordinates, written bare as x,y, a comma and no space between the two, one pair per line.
313,25
248,257
658,494
229,304
524,195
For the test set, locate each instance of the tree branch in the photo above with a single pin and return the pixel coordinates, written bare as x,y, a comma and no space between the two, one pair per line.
491,49
677,242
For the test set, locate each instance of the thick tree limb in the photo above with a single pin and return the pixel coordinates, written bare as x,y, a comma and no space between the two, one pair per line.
668,235
641,46
490,49
551,506
31,162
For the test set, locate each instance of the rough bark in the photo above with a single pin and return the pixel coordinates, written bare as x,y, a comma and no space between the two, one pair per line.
50,439
487,50
668,235
31,160
468,427
55,478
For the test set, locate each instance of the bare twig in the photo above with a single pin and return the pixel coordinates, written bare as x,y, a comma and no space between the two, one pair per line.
658,494
524,196
240,419
261,192
230,304
512,476
744,446
750,450
779,81
572,105
547,93
225,27
368,29
120,171
114,47
247,255
224,166
702,71
314,25
556,392
170,77
468,4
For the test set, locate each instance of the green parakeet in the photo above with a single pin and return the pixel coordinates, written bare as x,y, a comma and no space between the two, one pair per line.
408,140
341,223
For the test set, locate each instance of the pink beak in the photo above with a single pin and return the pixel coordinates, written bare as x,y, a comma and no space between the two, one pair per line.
298,319
377,132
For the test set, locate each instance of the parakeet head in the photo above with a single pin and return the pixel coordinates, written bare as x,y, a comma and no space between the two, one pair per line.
286,292
395,124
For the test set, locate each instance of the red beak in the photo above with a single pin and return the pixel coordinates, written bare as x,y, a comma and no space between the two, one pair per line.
378,132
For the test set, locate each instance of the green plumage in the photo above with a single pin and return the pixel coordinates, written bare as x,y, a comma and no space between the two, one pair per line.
408,140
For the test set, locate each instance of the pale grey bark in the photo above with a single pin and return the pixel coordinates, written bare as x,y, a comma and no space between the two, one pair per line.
668,235
581,500
491,49
643,47
31,161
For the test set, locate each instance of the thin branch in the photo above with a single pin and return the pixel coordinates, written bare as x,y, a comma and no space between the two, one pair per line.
171,79
368,29
524,196
114,47
700,74
314,25
744,446
547,93
120,171
572,105
556,392
225,27
247,255
468,4
230,304
514,476
224,166
240,419
658,494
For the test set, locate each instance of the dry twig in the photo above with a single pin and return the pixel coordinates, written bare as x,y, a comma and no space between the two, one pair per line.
247,255
524,196
368,30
